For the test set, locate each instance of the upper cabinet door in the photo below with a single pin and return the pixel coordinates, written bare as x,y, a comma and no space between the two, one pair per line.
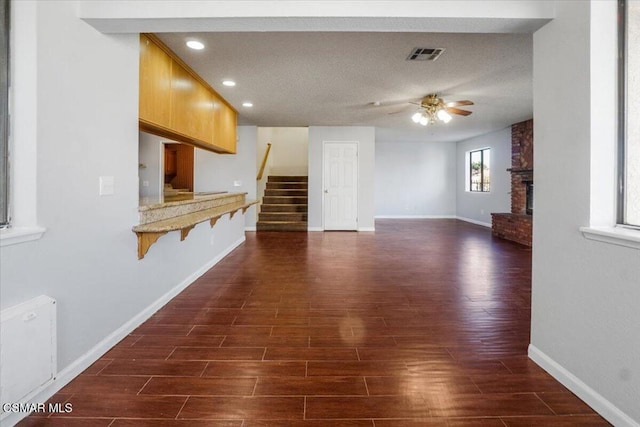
203,106
183,98
192,107
155,83
228,123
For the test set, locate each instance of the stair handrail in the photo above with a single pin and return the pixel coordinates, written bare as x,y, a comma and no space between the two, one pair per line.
264,162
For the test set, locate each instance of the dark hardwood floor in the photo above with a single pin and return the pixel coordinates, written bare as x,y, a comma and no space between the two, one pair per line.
422,323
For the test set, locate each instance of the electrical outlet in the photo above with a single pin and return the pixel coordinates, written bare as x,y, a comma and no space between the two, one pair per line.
145,183
237,183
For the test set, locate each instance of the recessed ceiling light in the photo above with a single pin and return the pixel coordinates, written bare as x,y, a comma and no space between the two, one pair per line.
229,83
247,104
195,44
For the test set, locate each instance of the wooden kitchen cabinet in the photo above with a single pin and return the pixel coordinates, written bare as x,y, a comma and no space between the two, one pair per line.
155,83
178,104
225,128
170,161
178,166
183,94
203,108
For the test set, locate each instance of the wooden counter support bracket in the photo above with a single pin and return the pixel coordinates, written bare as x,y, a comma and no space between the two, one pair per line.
145,240
184,232
149,233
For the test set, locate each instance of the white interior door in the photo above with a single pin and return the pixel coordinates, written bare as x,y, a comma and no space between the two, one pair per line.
340,167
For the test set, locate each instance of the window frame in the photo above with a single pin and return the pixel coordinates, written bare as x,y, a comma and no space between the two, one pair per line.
607,226
22,160
482,163
5,55
623,108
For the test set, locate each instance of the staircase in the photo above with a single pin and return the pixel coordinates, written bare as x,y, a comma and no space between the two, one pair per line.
284,205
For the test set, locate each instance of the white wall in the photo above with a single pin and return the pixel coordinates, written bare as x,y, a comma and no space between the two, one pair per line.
150,159
414,179
585,312
221,172
366,171
86,85
289,153
476,206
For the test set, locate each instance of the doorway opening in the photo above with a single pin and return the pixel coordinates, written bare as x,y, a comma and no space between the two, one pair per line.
178,168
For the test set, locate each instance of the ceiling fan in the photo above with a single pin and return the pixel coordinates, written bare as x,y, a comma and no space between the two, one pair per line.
432,109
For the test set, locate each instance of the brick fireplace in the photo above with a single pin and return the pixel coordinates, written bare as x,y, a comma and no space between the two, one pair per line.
518,224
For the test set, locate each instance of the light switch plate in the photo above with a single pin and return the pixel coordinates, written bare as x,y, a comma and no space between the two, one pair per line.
107,185
237,183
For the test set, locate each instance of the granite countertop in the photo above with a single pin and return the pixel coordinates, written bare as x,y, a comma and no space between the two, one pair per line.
149,203
182,212
191,219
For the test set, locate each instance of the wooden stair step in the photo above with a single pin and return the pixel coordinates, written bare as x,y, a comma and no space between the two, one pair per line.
283,200
285,192
291,185
276,178
282,216
301,207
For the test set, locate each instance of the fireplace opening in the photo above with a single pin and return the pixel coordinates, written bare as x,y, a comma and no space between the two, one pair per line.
529,199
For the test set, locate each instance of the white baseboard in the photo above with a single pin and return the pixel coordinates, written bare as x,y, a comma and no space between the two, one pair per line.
65,376
250,229
473,221
415,216
313,229
608,410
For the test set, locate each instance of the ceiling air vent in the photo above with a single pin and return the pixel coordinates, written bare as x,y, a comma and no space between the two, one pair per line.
425,54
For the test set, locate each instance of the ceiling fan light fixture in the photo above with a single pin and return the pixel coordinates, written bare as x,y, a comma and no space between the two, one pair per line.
433,110
444,116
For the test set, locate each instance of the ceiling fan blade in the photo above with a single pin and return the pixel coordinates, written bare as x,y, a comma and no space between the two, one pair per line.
458,103
458,111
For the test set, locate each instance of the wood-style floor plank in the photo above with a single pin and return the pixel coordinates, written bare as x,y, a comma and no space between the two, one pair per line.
422,323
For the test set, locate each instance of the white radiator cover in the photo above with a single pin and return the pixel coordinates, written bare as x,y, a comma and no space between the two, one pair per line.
27,349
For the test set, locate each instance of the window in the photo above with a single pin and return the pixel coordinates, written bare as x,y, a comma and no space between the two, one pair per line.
629,105
479,170
4,113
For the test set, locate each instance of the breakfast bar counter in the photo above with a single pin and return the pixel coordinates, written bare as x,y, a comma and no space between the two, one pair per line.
183,212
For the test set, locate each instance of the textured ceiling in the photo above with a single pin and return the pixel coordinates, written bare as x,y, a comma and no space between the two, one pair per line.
333,78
